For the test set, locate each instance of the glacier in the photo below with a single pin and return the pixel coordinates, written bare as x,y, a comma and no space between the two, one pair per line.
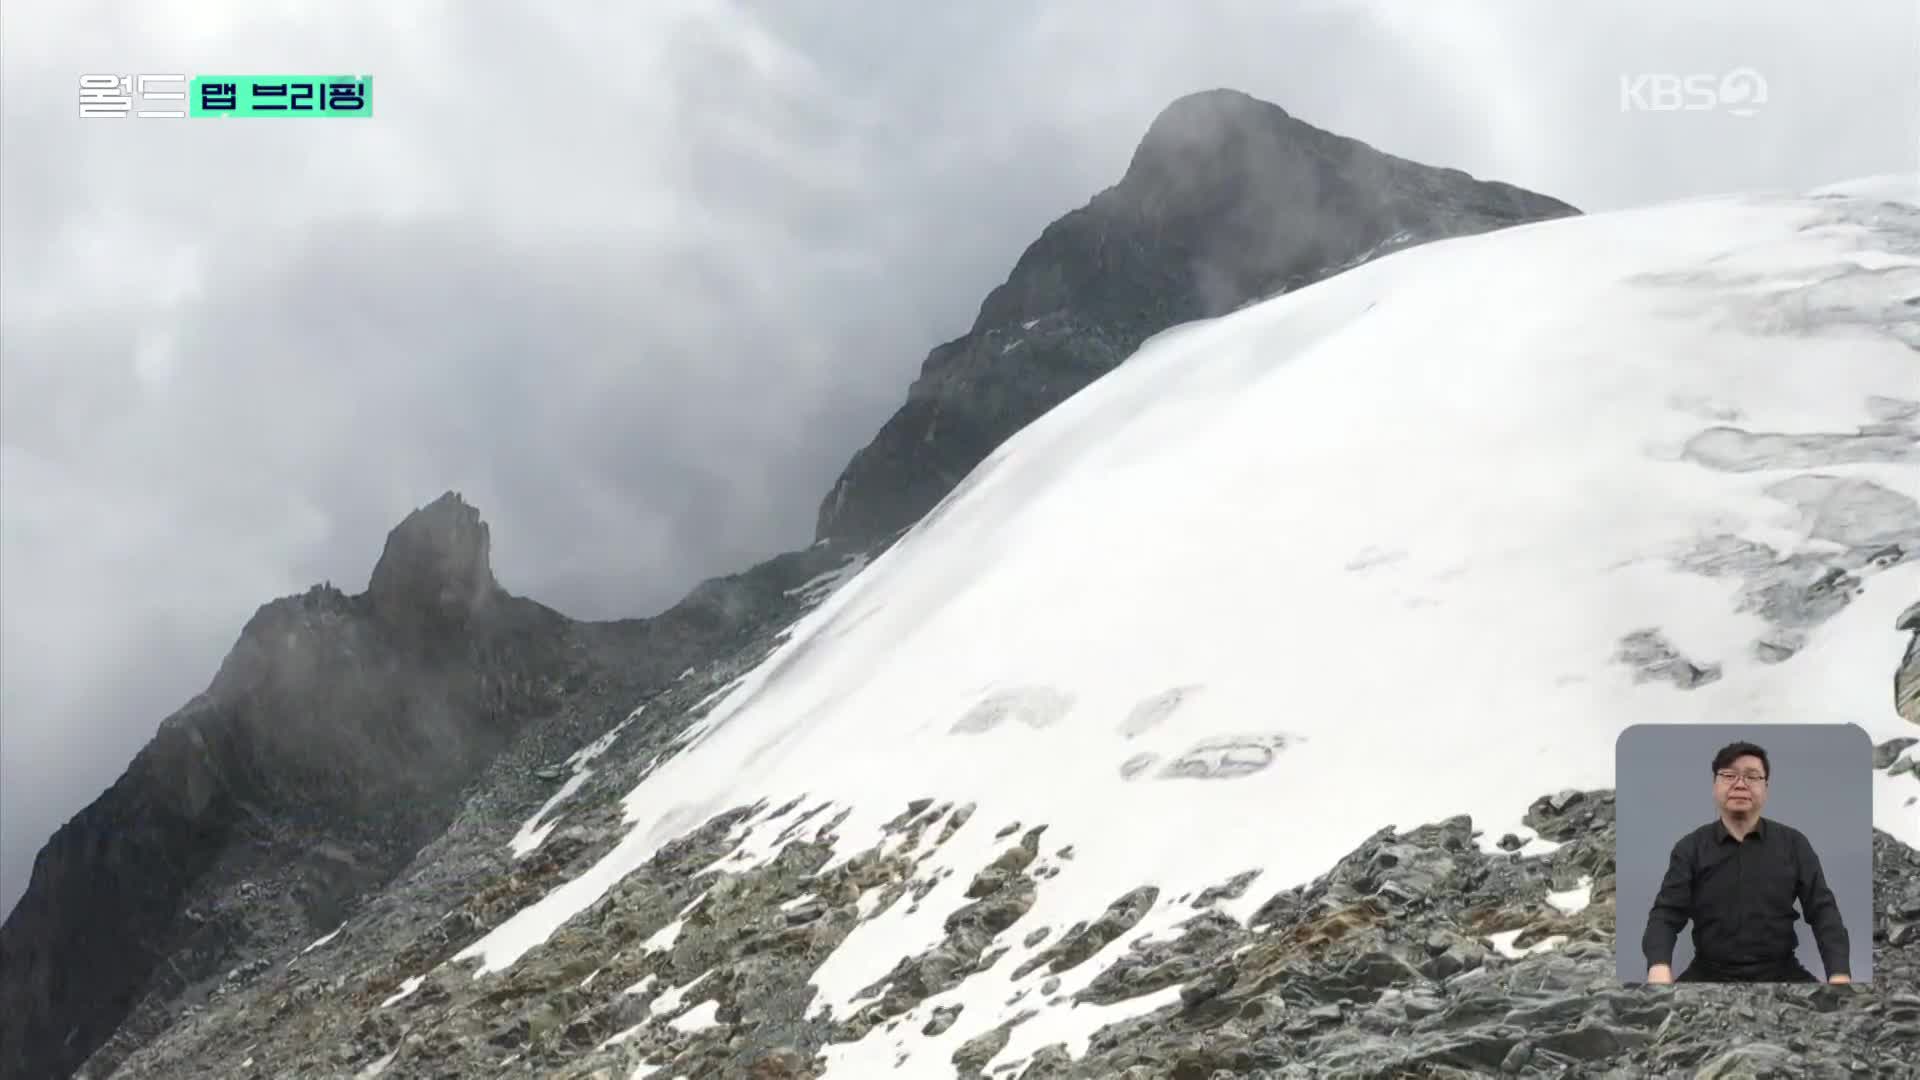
1371,552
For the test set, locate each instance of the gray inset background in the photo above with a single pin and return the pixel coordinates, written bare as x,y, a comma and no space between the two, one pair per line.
1822,784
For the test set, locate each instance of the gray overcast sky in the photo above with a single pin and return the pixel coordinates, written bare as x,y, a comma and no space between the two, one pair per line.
637,278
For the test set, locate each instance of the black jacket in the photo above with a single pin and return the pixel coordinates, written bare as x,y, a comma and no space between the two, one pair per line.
1739,897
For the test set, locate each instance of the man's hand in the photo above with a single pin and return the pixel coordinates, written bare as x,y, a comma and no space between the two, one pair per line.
1839,980
1661,973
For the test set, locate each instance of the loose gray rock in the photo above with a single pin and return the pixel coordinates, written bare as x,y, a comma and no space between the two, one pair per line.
1653,658
1885,753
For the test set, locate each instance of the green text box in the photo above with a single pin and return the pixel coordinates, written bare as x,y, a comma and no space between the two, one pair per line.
282,95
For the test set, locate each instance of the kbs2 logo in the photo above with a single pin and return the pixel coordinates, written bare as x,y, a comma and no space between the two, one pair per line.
1740,92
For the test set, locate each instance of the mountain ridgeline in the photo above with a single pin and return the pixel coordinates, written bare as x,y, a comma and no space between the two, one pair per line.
344,733
1228,200
340,734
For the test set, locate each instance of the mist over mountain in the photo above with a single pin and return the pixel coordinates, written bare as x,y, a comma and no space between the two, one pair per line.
1281,463
341,734
1227,200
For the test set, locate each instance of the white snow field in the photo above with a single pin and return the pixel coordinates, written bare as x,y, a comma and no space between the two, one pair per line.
533,832
1363,554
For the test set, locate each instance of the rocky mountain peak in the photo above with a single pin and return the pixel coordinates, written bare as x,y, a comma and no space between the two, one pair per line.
333,741
1210,128
1228,200
340,734
435,565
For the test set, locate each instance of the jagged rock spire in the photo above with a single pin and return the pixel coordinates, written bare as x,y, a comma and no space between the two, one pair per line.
435,567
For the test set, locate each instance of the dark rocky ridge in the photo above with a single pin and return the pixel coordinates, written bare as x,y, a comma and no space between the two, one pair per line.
1227,200
1382,967
340,734
1906,680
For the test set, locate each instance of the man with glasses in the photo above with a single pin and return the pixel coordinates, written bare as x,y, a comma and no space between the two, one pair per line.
1736,880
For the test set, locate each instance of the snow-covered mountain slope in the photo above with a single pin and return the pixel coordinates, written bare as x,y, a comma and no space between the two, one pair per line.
1418,540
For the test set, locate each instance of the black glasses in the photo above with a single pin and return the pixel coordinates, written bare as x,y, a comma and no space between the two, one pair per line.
1728,776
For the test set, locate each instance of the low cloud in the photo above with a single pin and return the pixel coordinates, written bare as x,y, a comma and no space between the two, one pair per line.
637,279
